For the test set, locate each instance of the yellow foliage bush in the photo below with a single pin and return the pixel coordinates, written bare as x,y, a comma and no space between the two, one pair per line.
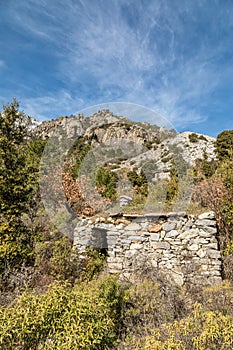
64,318
202,330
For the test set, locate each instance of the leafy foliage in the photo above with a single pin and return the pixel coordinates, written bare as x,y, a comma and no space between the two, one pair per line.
138,181
83,317
106,182
173,185
224,145
193,137
16,188
77,153
202,330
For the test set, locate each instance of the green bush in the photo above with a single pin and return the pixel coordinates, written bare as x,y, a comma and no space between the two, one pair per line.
202,330
193,137
106,182
224,145
77,153
138,181
172,185
84,317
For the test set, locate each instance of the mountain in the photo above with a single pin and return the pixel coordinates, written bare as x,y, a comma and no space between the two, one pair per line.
157,143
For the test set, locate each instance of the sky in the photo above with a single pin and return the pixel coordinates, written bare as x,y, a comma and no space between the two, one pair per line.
174,57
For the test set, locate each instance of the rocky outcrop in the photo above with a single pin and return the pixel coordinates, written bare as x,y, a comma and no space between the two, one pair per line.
158,145
185,248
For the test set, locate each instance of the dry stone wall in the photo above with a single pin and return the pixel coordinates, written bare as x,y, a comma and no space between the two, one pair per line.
185,248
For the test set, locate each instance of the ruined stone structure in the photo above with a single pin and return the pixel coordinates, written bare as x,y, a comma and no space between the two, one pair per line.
183,247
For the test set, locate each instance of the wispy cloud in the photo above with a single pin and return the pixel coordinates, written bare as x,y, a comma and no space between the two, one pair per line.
50,105
163,55
2,64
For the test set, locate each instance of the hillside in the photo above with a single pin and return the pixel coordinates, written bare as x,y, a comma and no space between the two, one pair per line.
126,150
103,127
109,180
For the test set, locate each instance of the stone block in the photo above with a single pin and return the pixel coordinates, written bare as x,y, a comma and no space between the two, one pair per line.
133,227
189,234
155,228
169,226
213,254
123,221
212,245
207,216
201,253
172,234
155,236
160,245
205,233
205,222
113,260
136,246
193,247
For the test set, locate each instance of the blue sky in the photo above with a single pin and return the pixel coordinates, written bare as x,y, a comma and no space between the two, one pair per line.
175,57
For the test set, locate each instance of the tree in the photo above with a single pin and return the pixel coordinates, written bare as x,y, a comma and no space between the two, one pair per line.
172,185
224,145
16,187
106,182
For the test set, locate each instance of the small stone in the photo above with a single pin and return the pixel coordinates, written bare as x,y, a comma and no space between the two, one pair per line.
205,222
133,227
155,236
212,245
201,253
208,215
214,254
119,227
160,245
135,246
172,234
122,221
205,234
193,247
169,226
189,234
155,228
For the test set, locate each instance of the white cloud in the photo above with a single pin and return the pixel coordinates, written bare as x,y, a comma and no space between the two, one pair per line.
2,64
49,105
147,53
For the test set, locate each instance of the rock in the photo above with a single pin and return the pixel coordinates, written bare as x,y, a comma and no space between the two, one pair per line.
155,228
205,223
155,236
193,247
189,234
208,215
125,200
115,267
135,246
205,234
172,234
133,227
122,221
160,245
169,226
177,214
136,238
213,254
201,253
212,245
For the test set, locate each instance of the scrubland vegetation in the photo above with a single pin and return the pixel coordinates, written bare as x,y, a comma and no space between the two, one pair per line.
53,299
